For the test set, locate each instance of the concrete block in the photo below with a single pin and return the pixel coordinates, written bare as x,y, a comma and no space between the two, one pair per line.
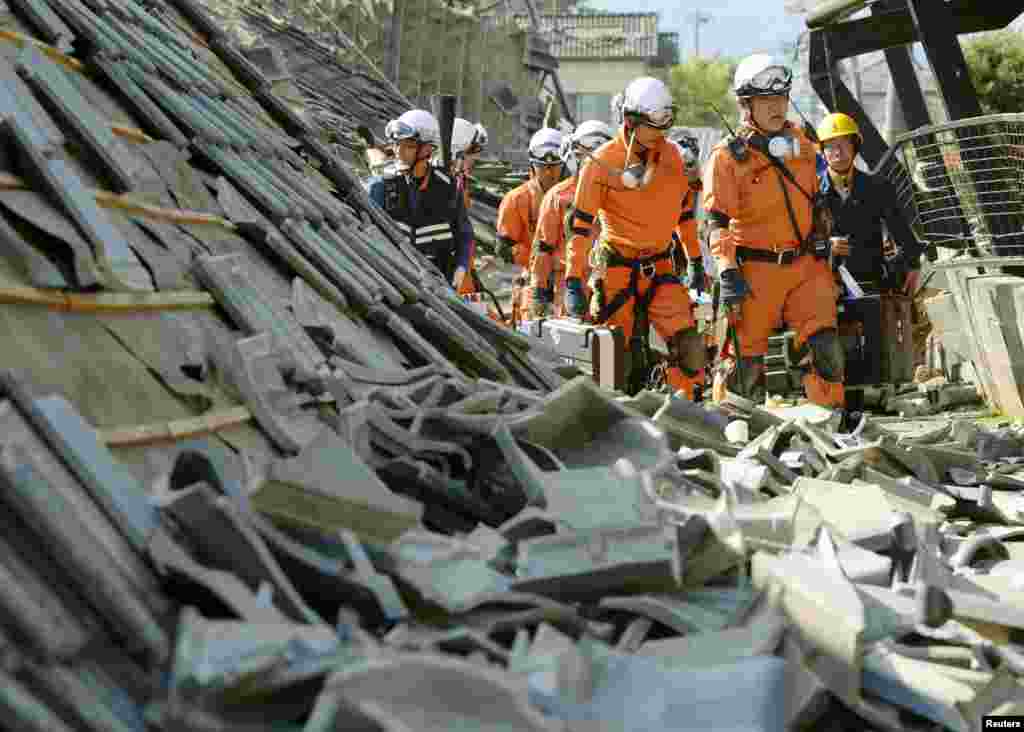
997,303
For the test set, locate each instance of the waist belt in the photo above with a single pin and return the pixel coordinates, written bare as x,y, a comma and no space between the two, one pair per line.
645,266
785,257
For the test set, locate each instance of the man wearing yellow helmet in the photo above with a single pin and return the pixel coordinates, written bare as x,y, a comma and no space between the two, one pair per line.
861,204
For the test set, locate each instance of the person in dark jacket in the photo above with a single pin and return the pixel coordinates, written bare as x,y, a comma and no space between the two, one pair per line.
861,205
424,201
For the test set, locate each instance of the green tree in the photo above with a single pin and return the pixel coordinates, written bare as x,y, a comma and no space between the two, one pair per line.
995,62
586,7
699,83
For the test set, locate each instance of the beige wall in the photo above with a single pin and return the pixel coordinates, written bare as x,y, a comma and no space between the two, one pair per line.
599,76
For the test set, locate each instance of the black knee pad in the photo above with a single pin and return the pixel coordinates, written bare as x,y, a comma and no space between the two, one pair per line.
827,357
687,351
748,378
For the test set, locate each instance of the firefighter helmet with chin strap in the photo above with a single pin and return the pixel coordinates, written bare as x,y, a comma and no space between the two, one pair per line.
762,75
589,136
545,147
647,101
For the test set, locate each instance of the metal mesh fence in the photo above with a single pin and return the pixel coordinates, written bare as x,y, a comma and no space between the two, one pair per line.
959,183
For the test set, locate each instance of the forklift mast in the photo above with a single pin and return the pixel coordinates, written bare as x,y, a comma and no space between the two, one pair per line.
892,26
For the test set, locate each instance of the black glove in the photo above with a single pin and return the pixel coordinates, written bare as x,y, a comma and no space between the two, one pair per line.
506,250
733,288
695,275
575,299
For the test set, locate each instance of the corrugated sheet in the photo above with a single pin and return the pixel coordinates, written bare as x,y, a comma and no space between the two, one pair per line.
607,35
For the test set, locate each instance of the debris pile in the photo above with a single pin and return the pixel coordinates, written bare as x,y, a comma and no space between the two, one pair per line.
262,471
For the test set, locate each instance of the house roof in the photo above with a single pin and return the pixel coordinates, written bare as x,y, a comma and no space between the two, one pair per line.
600,35
199,301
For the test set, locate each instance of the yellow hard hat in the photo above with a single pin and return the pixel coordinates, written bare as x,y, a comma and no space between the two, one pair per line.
836,125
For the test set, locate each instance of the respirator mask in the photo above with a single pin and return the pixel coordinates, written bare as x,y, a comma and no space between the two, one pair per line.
784,147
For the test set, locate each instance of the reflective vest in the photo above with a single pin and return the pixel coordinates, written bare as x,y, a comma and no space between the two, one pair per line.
431,227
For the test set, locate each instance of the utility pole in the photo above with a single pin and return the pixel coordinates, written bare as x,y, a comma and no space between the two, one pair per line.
698,19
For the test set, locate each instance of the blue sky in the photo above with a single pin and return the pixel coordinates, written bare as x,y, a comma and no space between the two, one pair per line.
736,28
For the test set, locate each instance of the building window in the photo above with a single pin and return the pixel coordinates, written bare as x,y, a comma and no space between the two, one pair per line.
593,106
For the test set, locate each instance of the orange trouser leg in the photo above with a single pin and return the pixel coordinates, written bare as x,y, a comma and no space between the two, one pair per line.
824,393
810,308
669,312
801,295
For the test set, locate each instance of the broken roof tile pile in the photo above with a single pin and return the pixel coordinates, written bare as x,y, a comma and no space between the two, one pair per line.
339,96
260,471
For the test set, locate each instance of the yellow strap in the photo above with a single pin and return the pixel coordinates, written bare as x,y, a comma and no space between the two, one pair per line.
131,133
109,199
62,58
106,301
177,429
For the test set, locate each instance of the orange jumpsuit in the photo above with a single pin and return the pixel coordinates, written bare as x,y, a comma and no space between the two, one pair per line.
547,262
517,223
636,236
802,293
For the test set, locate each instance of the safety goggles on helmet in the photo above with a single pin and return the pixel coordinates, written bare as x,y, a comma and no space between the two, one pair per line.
397,130
661,119
545,155
772,81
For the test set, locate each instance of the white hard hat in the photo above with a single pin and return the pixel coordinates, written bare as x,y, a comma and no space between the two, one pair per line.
762,75
416,124
590,135
545,145
467,137
649,98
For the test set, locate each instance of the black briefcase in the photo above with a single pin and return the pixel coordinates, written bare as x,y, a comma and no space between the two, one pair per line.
877,336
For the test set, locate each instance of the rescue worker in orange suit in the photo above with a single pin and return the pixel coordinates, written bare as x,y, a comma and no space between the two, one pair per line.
689,258
520,208
860,203
760,195
468,141
638,183
547,263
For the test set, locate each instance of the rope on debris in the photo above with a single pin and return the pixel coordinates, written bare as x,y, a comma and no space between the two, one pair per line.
177,429
115,302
